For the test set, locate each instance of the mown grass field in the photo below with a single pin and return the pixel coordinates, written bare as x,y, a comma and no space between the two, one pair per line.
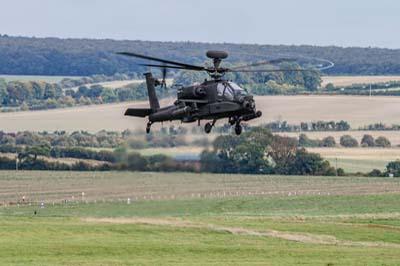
345,229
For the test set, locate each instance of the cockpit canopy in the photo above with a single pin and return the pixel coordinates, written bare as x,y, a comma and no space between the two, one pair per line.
230,91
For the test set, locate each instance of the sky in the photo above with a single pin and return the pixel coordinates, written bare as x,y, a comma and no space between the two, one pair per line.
367,23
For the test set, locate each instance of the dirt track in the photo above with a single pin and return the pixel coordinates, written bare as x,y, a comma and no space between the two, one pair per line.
291,236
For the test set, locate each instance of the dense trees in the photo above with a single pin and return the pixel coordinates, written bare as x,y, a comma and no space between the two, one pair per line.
305,141
369,141
83,57
244,154
258,152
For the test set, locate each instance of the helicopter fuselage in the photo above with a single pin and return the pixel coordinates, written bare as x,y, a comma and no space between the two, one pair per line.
210,100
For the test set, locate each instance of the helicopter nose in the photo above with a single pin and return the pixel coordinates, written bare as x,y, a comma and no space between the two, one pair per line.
249,104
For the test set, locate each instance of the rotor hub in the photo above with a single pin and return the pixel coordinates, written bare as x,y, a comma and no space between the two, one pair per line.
217,54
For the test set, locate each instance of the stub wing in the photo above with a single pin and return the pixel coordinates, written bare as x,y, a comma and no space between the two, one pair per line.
139,112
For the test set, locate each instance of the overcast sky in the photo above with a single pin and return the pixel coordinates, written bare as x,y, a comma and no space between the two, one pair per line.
317,22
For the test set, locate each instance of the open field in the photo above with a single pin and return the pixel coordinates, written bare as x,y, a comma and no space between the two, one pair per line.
50,186
359,159
349,80
357,110
35,78
345,221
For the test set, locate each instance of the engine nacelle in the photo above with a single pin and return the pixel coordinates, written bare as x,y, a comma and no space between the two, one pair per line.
192,92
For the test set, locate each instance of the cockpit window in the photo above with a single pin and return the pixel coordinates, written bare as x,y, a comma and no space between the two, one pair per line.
220,89
225,91
237,90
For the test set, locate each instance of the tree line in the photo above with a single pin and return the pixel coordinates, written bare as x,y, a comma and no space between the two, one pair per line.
257,151
84,57
347,141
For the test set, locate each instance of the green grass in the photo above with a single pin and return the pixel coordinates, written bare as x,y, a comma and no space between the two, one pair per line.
39,241
59,236
199,231
271,206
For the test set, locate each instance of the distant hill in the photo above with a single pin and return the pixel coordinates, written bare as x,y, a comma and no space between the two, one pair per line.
81,57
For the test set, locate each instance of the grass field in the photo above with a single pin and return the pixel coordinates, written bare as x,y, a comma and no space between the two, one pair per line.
359,159
357,110
356,223
49,186
349,80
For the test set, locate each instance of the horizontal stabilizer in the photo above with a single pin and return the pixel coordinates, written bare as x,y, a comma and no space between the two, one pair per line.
140,112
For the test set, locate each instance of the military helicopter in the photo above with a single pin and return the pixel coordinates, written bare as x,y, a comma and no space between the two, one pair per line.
211,100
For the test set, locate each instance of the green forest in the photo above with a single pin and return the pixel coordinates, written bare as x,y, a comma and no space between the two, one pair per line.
84,57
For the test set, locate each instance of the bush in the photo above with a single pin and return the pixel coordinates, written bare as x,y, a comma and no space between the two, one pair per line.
304,141
375,173
328,142
382,142
7,163
367,141
393,168
348,141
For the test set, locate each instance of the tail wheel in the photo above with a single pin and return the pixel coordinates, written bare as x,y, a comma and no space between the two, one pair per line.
238,129
148,127
207,128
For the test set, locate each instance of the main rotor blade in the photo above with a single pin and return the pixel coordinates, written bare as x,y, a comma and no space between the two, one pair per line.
274,70
167,66
269,62
162,60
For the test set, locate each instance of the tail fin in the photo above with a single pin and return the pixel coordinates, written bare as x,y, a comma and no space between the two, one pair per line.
150,82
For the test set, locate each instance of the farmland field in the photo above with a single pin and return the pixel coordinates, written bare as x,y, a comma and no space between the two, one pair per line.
359,159
357,110
340,221
349,80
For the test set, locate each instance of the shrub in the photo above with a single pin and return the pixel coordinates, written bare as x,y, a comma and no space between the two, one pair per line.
304,141
382,142
367,141
348,141
328,142
375,173
393,168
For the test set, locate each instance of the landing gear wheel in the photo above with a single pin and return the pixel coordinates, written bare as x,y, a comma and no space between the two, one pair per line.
148,128
238,129
207,128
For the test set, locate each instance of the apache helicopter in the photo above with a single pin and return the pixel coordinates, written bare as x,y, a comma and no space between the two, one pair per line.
211,100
